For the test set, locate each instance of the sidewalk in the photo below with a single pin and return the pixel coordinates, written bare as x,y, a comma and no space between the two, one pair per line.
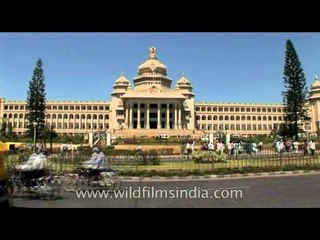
227,176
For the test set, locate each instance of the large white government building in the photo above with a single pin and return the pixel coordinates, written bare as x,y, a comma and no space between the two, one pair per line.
151,107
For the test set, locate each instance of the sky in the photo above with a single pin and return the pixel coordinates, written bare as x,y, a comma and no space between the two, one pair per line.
222,67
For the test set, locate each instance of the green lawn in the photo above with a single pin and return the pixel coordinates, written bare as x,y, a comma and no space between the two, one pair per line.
189,165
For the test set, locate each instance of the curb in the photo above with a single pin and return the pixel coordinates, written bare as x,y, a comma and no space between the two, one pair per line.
227,176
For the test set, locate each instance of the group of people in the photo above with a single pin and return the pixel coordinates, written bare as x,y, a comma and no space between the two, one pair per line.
38,161
307,148
97,160
233,148
187,148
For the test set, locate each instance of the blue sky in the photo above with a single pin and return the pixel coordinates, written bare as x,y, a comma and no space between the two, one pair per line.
222,67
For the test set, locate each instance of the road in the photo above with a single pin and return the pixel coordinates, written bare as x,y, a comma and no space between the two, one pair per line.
265,192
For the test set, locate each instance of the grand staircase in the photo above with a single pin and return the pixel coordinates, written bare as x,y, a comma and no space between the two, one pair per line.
130,133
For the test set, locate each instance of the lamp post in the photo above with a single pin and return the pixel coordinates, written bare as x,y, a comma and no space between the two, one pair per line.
35,124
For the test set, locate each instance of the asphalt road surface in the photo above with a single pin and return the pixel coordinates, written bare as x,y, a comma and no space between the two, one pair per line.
266,192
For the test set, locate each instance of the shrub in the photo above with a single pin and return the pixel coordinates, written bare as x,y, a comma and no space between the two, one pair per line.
209,157
84,150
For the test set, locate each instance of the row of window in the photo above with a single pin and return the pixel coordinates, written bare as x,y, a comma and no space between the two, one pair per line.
65,125
60,116
61,107
79,126
238,109
243,127
14,107
77,116
238,118
78,107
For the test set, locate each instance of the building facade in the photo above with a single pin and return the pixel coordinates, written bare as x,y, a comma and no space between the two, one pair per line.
151,106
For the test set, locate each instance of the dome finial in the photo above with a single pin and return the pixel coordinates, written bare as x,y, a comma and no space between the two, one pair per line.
122,73
183,74
316,77
152,52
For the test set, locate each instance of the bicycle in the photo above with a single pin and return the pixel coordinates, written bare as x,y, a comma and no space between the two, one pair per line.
42,183
86,178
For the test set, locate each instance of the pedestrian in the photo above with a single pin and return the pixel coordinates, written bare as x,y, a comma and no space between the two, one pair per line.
312,147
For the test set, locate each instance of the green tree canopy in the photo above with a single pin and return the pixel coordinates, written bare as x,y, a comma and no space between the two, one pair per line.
295,93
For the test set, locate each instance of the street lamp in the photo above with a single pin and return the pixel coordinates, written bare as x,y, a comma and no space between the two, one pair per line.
35,124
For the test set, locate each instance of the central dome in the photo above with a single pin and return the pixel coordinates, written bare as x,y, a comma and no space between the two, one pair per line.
152,64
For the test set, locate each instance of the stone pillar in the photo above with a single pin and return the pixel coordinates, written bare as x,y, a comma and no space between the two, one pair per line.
108,138
148,119
127,116
175,117
179,117
138,118
168,116
91,122
130,116
159,117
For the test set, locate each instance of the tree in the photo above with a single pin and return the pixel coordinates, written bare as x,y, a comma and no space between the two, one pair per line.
3,129
36,101
10,131
51,133
295,94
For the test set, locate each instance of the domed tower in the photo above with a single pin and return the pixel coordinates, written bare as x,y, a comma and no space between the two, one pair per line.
184,87
314,101
120,87
152,74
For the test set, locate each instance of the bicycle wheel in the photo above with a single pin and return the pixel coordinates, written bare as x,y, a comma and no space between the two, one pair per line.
47,189
112,180
117,182
70,182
